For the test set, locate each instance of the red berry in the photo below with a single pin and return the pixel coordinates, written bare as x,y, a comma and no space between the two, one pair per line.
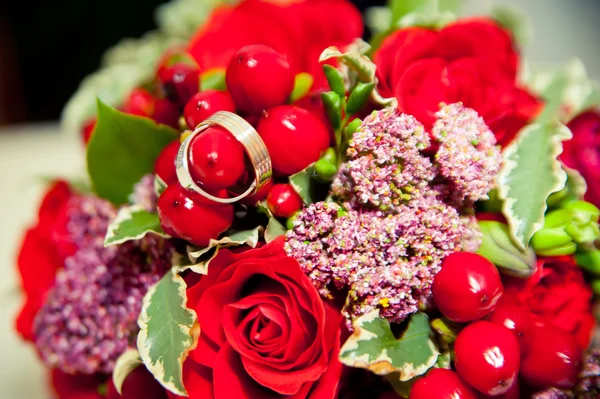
88,129
259,78
294,137
216,159
487,357
441,384
140,102
552,358
283,201
180,82
204,104
514,317
166,112
259,195
164,167
467,288
188,215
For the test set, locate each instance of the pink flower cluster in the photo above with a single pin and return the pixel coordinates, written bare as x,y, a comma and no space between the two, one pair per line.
399,216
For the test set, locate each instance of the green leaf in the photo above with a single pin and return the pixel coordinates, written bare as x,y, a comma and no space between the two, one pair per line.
302,84
274,230
512,18
213,79
302,183
499,248
402,388
125,364
529,174
333,108
359,97
373,346
335,80
360,68
446,329
401,8
132,223
208,253
122,150
166,331
430,21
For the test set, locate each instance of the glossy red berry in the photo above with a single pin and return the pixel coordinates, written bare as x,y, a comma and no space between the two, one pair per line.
294,137
467,287
441,384
515,317
188,215
259,78
259,195
283,201
180,82
164,167
140,102
487,357
216,159
204,104
166,112
552,358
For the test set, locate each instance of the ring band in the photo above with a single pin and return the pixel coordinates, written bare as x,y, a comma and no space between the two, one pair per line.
247,136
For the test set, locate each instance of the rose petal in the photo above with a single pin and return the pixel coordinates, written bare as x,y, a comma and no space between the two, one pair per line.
197,380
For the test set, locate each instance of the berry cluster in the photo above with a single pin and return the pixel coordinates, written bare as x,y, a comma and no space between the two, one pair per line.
259,83
491,354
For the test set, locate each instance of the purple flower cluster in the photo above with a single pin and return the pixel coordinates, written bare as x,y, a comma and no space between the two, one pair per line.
401,212
468,157
386,261
144,193
90,316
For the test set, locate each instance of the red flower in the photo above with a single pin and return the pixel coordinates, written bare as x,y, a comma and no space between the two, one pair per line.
557,294
472,61
139,384
42,253
78,386
265,331
301,31
582,152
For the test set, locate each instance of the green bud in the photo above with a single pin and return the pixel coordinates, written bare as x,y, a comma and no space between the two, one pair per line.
359,97
596,287
352,127
333,108
330,155
289,223
335,79
325,170
552,242
589,261
590,210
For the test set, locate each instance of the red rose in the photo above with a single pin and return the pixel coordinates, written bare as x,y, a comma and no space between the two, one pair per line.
557,294
582,152
139,384
78,386
42,253
472,61
266,333
301,31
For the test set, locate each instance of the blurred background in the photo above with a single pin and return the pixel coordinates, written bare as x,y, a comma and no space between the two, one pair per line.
48,47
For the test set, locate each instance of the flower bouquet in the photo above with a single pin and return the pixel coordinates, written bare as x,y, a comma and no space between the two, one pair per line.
281,210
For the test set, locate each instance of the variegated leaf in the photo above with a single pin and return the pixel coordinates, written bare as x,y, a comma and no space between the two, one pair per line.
168,331
357,67
529,174
132,223
125,364
207,254
274,229
302,183
373,346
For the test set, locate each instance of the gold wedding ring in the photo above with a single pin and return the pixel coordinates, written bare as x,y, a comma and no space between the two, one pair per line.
247,136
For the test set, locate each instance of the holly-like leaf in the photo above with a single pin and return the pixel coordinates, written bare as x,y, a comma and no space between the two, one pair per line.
302,84
202,257
213,79
529,174
125,364
167,331
302,183
122,150
498,247
274,229
357,67
132,223
373,346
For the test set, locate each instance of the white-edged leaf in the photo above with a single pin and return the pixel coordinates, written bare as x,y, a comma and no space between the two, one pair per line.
167,331
132,223
125,364
274,229
374,347
207,254
575,182
302,182
529,174
357,67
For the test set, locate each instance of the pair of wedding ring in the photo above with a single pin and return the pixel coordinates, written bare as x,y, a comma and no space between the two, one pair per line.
250,140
